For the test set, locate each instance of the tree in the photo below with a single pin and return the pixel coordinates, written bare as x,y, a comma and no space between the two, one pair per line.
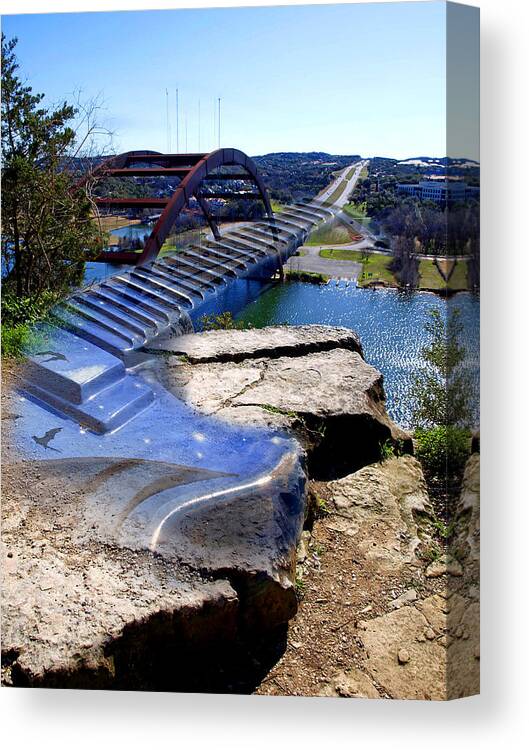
47,223
405,264
442,389
442,414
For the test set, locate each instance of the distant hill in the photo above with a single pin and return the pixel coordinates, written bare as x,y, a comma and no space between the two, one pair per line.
422,167
296,175
309,156
291,175
428,161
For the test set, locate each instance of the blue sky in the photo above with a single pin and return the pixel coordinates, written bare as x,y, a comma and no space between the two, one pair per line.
367,78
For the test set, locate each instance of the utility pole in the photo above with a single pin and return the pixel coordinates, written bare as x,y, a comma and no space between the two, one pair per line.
186,131
168,121
219,121
177,126
214,122
198,126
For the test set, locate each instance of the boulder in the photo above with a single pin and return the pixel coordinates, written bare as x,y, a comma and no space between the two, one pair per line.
463,666
95,615
272,341
134,572
324,392
385,507
466,543
87,603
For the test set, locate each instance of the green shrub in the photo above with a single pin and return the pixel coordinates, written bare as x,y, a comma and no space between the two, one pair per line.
386,450
19,314
443,450
26,310
308,277
322,507
15,339
442,389
222,322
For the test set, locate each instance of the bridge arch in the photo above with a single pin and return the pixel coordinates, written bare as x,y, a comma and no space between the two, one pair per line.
194,170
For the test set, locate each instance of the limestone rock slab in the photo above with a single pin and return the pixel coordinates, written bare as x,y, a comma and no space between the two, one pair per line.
90,615
270,342
401,659
386,508
332,400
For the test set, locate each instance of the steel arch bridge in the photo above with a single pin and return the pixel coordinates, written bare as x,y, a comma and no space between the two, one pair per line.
127,311
195,170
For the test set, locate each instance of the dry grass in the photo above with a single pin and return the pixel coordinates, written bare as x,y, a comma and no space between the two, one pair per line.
109,223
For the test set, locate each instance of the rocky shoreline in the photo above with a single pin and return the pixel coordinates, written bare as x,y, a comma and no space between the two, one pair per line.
358,551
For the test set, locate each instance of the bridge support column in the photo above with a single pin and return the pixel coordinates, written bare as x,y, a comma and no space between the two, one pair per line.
209,218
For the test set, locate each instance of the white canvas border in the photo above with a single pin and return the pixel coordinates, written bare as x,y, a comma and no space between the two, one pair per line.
59,719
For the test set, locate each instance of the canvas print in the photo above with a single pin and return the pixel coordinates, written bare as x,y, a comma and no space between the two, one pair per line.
240,350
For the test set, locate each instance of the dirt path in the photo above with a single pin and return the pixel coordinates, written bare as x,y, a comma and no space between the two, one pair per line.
368,629
338,591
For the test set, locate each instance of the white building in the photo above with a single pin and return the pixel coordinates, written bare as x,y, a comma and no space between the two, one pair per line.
439,191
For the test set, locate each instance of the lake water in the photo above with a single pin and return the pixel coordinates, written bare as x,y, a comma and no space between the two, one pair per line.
133,231
390,324
95,272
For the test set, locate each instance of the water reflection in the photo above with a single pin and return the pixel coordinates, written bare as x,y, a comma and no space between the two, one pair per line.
95,272
133,231
389,323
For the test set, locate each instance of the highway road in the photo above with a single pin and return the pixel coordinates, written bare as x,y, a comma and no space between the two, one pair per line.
310,260
350,185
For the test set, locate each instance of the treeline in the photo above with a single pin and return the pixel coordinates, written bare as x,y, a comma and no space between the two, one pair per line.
128,187
378,191
435,231
297,176
240,210
417,227
405,264
421,230
287,176
430,167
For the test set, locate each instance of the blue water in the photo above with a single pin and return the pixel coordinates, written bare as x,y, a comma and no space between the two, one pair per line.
390,325
233,297
95,272
133,231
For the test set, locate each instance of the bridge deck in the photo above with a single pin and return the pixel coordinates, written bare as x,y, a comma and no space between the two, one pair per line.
129,310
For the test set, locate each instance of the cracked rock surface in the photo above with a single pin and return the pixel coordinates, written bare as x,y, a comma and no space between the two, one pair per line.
86,603
81,608
272,341
323,391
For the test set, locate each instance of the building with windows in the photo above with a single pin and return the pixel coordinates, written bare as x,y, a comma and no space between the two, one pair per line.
439,191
